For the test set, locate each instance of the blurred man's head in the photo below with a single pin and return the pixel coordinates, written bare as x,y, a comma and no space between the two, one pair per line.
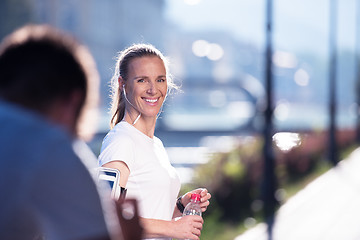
49,72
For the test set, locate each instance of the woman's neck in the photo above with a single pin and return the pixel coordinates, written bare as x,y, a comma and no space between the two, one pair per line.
144,124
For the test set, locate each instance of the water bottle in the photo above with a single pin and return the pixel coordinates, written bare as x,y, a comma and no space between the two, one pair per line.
193,207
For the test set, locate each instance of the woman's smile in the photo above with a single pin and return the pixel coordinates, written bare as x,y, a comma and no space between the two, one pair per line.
151,100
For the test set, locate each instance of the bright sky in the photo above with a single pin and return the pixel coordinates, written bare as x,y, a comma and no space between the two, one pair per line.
298,24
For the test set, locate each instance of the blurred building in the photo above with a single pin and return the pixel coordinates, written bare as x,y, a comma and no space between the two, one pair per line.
105,26
200,57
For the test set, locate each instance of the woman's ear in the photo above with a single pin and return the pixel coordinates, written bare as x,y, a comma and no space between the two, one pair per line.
121,83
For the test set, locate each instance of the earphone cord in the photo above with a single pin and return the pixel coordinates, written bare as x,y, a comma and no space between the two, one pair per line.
138,117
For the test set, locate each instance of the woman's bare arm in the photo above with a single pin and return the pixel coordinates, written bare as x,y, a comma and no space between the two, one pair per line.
123,168
187,227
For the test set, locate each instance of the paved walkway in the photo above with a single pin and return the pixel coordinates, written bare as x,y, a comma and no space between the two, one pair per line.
326,209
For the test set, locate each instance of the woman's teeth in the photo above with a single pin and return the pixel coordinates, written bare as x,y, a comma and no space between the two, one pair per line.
151,100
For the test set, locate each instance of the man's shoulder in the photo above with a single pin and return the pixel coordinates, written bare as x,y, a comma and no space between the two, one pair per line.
23,132
14,117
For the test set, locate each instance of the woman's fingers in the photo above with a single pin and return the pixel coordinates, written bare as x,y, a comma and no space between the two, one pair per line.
198,225
191,226
205,196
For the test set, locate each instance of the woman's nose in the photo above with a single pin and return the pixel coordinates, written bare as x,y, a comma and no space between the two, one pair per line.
151,88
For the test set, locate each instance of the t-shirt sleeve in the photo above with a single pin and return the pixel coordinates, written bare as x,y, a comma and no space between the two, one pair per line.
118,148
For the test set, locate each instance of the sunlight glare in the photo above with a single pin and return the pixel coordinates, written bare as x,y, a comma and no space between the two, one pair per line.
284,59
286,141
200,48
301,77
216,52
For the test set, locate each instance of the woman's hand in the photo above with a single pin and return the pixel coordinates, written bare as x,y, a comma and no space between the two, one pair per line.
187,227
204,198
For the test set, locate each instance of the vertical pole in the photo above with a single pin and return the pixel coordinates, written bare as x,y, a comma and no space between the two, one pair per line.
333,151
357,70
269,180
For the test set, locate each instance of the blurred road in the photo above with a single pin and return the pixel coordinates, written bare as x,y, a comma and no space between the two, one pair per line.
328,208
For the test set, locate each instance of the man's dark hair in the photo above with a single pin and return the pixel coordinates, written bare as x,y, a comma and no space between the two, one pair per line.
39,68
40,64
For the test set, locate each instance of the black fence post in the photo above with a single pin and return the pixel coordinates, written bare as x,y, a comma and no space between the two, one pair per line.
269,179
333,148
357,70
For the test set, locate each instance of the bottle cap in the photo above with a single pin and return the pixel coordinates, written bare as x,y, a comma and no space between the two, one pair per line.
195,196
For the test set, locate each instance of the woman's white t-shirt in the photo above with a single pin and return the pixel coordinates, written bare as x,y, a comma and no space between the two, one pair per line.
152,180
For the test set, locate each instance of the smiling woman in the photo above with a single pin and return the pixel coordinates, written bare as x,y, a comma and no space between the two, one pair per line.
140,85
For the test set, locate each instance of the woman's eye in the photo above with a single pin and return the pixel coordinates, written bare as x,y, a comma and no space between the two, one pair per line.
140,80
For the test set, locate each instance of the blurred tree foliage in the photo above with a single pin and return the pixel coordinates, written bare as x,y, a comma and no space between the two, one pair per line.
234,178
